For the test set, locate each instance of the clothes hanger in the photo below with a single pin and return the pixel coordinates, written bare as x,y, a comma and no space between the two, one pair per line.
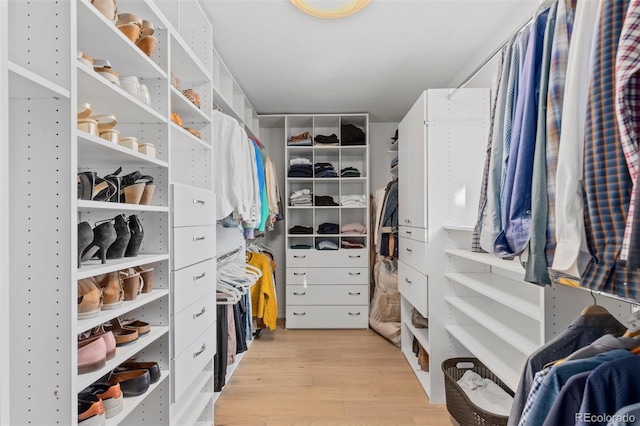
594,309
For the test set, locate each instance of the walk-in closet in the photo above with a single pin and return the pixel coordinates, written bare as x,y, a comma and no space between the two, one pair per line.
310,212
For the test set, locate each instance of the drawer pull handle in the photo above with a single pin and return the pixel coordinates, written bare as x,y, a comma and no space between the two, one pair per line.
299,257
199,238
354,314
197,277
295,293
204,309
299,273
408,232
354,293
354,273
204,346
196,201
354,257
299,314
409,250
408,280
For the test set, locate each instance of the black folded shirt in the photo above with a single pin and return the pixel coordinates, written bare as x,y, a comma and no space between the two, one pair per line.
301,230
325,200
326,139
329,228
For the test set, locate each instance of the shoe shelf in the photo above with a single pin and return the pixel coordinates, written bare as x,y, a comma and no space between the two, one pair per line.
94,267
94,151
127,306
25,84
189,112
122,354
199,404
185,64
101,39
192,405
422,334
488,259
182,140
424,377
121,207
131,403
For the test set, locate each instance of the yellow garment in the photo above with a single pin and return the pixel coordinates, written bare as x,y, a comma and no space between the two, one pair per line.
263,293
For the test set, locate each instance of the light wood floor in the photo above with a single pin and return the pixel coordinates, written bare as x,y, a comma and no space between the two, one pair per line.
325,377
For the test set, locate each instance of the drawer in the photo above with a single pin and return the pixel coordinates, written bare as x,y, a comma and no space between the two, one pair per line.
327,275
323,258
192,321
192,206
418,234
413,253
192,245
327,317
192,361
193,283
414,286
327,295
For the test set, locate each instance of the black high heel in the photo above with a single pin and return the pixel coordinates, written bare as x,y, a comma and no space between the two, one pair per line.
116,182
137,233
117,249
103,236
94,188
85,236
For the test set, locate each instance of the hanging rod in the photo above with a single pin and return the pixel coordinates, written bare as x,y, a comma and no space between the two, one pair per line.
229,254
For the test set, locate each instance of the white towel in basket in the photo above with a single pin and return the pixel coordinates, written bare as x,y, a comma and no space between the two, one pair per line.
485,393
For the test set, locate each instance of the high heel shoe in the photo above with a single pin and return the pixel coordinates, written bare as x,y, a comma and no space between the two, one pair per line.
112,291
94,188
137,233
85,236
149,189
119,246
132,283
103,236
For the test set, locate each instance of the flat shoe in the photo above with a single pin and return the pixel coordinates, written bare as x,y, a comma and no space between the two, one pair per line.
151,366
132,382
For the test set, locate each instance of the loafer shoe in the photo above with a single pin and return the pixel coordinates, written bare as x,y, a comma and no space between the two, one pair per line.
92,354
91,411
152,367
111,396
109,339
132,382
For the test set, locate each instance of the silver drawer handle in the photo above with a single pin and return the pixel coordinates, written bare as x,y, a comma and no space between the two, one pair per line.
408,232
204,309
299,314
204,346
197,277
196,201
408,280
354,257
354,273
409,250
352,293
354,314
299,294
299,273
299,257
199,238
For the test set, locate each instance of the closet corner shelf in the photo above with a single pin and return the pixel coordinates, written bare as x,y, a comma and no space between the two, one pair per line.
186,65
94,267
422,334
488,259
122,354
188,111
102,205
127,306
463,228
131,403
424,377
25,84
187,141
94,151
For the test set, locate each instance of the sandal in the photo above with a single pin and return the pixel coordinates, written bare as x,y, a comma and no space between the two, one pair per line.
147,276
142,327
124,335
132,283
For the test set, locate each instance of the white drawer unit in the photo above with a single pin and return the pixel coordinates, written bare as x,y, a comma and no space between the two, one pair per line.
326,258
327,295
192,206
327,316
335,276
413,253
418,234
192,321
414,286
192,360
193,283
193,244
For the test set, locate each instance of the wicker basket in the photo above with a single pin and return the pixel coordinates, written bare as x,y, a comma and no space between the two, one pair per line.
458,403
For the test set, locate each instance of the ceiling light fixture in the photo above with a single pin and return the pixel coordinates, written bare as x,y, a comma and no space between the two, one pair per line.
330,9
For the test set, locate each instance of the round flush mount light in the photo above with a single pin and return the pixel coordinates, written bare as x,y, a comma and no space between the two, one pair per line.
330,9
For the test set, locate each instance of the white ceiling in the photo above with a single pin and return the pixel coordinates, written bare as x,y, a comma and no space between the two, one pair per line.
376,61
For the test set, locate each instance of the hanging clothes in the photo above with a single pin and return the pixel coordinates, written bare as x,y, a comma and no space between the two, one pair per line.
263,295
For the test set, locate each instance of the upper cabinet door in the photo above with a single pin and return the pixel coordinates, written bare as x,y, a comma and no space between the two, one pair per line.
404,172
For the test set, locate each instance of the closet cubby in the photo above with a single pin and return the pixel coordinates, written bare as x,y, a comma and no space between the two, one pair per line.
299,124
351,156
326,126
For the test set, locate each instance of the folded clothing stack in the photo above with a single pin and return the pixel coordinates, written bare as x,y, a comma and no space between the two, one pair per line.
324,170
331,140
346,244
349,172
300,167
301,197
354,228
303,139
326,245
352,135
353,200
328,228
325,200
300,246
298,229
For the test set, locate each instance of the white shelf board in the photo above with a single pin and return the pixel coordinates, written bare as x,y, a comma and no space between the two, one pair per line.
502,290
122,354
107,98
189,112
463,228
25,84
130,403
186,65
501,358
422,334
195,409
424,377
94,151
101,39
300,207
182,140
127,306
500,320
299,179
488,259
94,267
102,205
327,235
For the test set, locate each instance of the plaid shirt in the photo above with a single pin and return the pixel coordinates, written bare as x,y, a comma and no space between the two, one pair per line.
628,103
606,176
533,393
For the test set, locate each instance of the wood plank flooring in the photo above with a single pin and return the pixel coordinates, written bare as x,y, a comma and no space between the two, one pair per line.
325,377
